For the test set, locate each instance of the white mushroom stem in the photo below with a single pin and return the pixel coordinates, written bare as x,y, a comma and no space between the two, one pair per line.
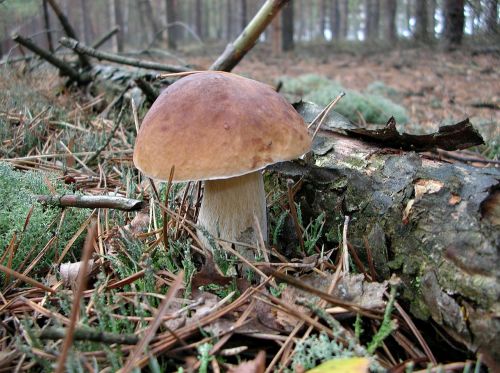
229,205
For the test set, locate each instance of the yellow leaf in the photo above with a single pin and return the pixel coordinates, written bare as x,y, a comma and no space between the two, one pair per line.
349,365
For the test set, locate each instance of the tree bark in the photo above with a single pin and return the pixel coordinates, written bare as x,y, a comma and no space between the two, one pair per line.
454,20
229,20
334,19
322,18
344,18
87,31
119,21
432,18
433,224
389,22
46,20
243,14
172,31
235,51
372,19
492,17
198,12
287,22
408,14
421,21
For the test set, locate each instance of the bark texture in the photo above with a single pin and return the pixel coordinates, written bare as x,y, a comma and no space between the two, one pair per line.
434,224
454,21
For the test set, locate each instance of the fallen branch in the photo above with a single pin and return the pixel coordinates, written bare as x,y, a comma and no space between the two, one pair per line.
110,202
63,67
81,334
235,51
150,93
81,48
104,38
68,29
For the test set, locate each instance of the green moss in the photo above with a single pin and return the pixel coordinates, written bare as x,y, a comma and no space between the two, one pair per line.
373,105
17,198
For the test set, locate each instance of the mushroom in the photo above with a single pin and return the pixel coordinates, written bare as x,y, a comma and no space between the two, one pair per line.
223,129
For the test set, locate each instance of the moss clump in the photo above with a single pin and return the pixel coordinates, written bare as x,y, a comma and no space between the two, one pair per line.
17,198
371,105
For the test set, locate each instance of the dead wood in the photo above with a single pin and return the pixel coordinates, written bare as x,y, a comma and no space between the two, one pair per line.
63,67
83,49
84,334
236,50
68,29
423,219
104,38
110,202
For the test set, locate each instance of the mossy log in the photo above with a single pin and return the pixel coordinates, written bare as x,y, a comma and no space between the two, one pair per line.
434,224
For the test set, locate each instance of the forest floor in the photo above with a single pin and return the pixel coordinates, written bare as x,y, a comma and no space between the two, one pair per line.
38,116
435,87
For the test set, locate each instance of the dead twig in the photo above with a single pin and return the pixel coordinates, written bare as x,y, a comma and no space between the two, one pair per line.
236,50
83,49
68,29
85,334
108,202
63,67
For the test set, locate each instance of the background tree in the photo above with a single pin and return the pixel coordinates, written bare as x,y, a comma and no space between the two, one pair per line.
372,19
344,18
454,22
287,23
172,28
334,19
421,20
492,17
389,8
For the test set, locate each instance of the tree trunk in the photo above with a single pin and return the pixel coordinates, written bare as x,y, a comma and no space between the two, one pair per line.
492,17
46,20
389,23
344,18
172,30
152,20
432,18
287,42
243,14
454,20
301,26
199,18
87,31
229,20
421,21
322,18
117,19
433,224
334,19
408,15
371,19
276,35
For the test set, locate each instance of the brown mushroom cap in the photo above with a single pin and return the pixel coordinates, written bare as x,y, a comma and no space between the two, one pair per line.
215,125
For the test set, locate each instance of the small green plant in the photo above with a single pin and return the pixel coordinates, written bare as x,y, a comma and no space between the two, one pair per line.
26,225
388,325
316,350
313,232
204,357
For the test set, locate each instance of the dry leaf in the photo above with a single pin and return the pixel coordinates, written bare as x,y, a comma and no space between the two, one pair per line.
69,271
256,365
349,365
